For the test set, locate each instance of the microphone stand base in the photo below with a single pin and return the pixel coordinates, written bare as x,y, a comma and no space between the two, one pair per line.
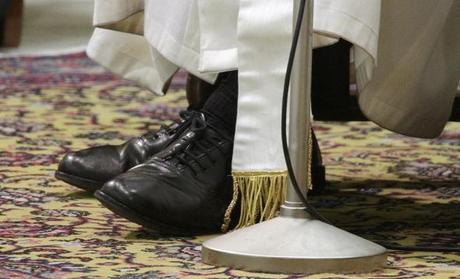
294,245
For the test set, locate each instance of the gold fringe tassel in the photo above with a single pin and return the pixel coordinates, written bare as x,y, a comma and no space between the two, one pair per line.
261,194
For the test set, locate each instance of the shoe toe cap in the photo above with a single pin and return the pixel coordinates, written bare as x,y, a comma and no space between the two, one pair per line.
100,163
70,163
130,190
117,189
144,191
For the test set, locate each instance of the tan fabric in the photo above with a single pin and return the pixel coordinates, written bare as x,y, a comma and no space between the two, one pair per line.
415,81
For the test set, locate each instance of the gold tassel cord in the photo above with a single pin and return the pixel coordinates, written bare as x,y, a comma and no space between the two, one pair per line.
309,158
261,195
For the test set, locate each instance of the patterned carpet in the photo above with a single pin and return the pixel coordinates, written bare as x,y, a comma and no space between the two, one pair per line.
383,186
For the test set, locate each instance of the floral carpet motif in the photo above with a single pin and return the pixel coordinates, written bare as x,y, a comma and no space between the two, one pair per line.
382,186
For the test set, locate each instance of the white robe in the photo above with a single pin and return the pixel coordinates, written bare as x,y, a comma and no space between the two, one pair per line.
406,55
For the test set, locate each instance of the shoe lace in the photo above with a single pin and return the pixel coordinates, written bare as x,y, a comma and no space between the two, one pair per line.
185,116
201,146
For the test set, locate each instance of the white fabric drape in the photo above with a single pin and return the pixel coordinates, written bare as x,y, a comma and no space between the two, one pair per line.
221,53
406,54
263,45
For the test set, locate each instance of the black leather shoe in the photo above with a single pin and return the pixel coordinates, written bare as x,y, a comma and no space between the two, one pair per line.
90,168
183,190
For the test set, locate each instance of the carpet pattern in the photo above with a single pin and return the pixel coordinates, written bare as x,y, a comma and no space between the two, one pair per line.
382,186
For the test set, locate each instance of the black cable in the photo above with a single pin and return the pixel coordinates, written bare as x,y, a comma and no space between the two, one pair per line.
310,209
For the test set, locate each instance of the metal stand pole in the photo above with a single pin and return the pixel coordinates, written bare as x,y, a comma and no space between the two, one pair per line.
300,114
293,242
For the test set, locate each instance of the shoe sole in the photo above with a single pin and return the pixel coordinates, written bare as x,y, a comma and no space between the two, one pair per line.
124,211
79,182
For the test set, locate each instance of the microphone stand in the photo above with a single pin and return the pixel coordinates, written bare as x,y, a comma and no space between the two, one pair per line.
294,242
